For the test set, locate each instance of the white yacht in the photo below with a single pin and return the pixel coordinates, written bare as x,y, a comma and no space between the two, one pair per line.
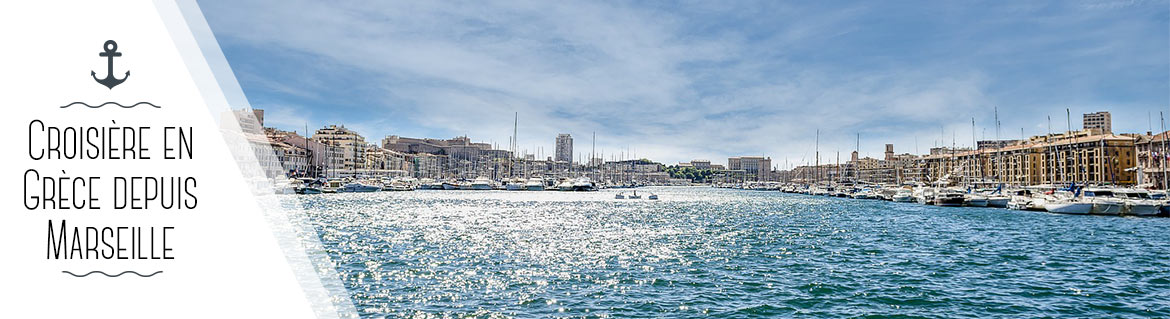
864,194
515,184
534,184
428,183
356,187
998,200
333,186
449,185
397,185
819,191
949,198
481,183
974,200
565,185
924,195
1068,206
1019,203
1137,202
903,196
583,184
1103,201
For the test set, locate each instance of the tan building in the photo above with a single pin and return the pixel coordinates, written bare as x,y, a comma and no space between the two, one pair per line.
754,167
423,165
1080,157
350,148
701,164
1098,123
1152,151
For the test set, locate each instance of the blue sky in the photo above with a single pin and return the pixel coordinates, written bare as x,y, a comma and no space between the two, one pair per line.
679,80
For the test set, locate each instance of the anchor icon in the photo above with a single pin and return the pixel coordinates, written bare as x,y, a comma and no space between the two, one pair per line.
110,81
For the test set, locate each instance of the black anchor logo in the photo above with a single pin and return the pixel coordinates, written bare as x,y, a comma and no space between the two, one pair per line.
111,51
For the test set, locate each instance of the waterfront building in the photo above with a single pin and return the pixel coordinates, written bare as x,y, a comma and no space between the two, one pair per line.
564,150
251,121
316,153
943,150
384,162
633,171
991,144
424,165
701,164
1152,153
872,170
1098,122
349,145
756,168
462,158
252,133
1080,156
294,160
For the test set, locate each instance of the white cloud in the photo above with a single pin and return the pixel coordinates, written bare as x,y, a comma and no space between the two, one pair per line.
667,81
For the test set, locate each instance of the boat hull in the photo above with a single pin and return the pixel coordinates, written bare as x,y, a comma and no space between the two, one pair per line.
998,202
309,190
1069,208
1106,209
1142,210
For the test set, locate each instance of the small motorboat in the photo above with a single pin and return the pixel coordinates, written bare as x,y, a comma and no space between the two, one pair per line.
652,197
620,196
1068,206
1000,201
950,198
534,184
975,200
356,187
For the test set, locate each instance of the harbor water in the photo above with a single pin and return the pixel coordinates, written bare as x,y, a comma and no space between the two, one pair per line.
725,253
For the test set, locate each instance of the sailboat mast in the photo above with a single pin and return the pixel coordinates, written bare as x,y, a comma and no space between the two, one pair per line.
1163,154
998,148
974,152
515,143
817,151
1052,161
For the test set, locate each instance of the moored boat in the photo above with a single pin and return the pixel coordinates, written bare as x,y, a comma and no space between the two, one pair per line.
534,184
480,183
974,200
1068,206
949,198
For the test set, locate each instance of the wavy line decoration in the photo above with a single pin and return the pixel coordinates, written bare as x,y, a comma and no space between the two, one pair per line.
111,276
108,103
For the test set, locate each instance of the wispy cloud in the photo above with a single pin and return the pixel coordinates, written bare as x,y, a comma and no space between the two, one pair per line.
682,80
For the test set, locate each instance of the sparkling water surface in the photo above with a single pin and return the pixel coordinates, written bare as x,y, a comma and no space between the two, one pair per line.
722,253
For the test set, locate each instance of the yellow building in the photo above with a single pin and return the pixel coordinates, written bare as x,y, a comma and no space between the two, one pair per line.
1102,159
